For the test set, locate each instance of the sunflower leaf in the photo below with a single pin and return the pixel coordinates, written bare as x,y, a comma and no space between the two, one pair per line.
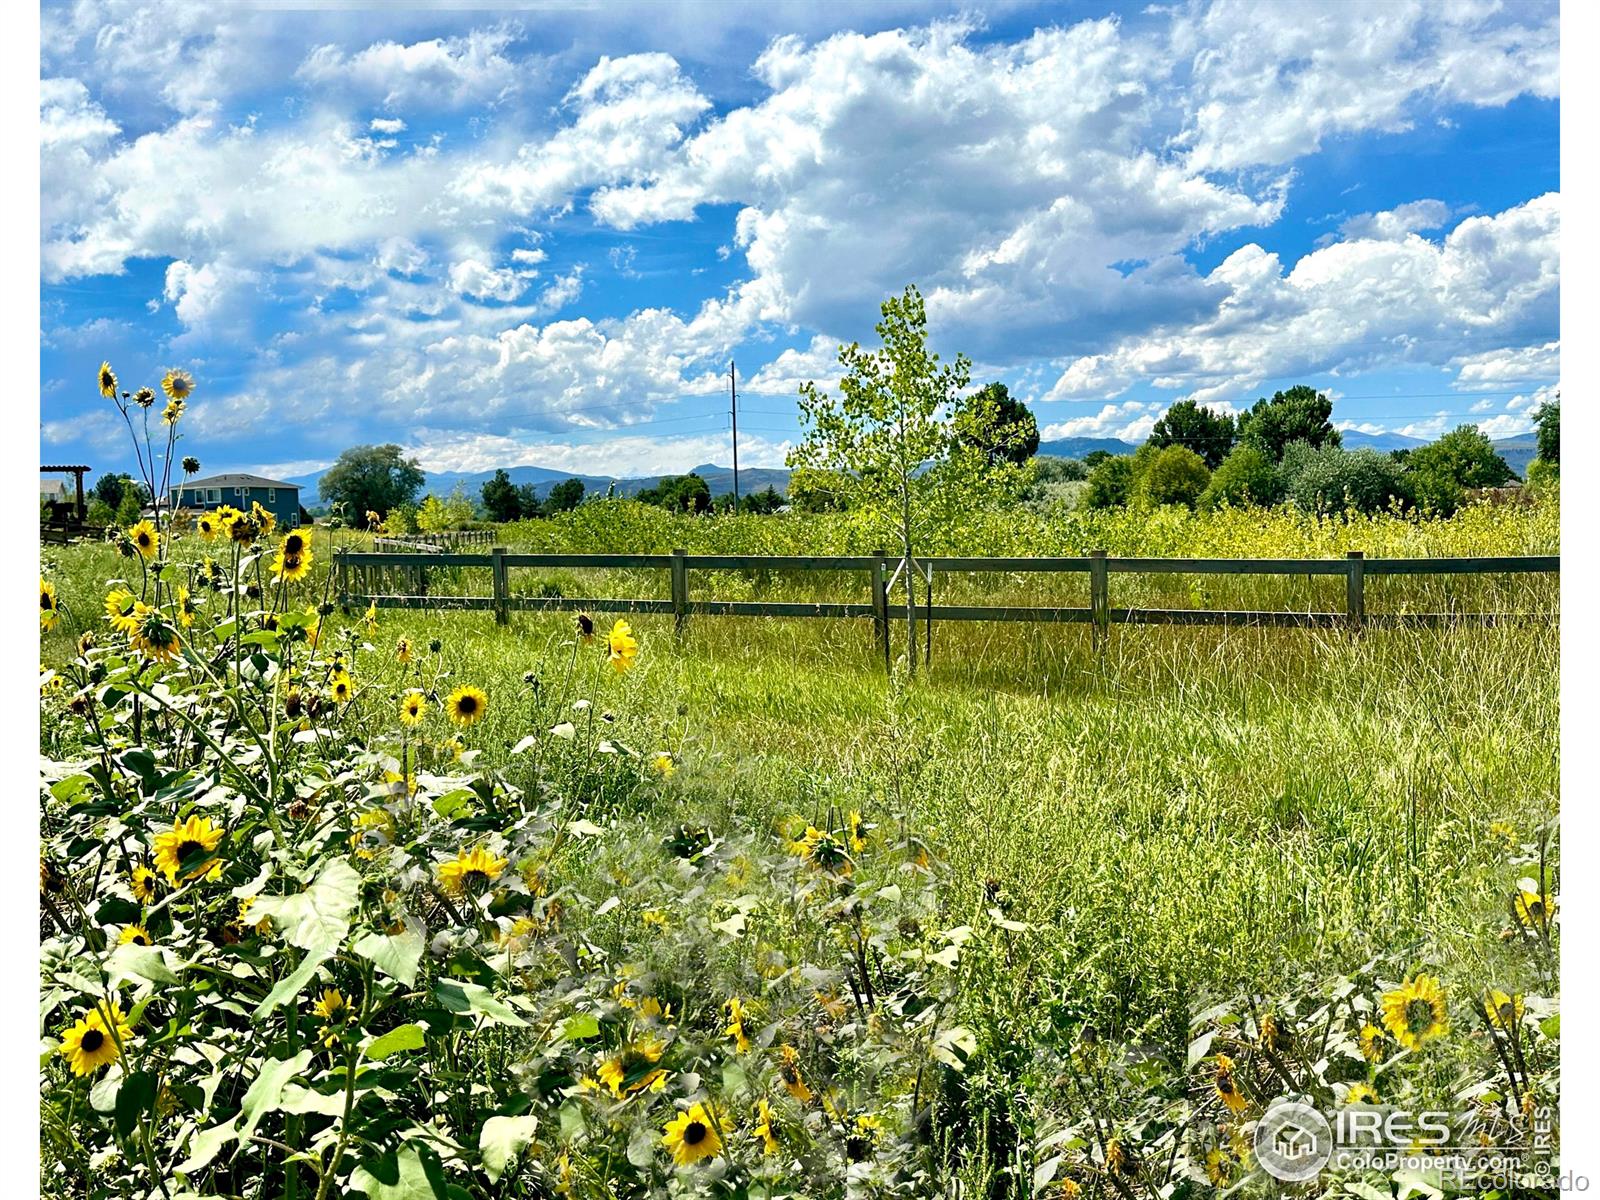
133,961
396,955
502,1140
403,1037
291,984
266,1093
459,997
318,918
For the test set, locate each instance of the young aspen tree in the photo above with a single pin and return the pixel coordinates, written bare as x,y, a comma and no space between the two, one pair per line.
910,449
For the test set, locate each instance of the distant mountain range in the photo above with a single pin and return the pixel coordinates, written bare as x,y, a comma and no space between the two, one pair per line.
1518,452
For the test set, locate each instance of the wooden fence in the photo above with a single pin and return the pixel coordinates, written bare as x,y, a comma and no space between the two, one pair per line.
359,573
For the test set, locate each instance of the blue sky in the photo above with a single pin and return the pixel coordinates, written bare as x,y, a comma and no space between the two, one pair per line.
537,234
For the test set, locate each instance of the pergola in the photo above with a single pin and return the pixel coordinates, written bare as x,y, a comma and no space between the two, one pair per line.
77,474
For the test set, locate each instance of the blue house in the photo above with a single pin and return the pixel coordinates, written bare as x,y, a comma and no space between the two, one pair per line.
281,499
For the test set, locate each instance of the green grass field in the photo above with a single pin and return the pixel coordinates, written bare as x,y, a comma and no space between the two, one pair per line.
1190,815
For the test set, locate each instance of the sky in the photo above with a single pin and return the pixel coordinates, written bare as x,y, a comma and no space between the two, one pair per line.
538,233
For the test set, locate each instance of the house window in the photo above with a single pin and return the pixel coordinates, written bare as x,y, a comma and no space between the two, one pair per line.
272,495
214,495
238,491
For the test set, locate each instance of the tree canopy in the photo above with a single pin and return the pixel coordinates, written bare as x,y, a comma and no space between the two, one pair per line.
1208,433
680,493
998,425
1300,414
371,479
1441,472
500,499
1547,428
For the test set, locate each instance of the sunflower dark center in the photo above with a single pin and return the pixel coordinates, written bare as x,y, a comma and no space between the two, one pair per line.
45,602
93,1040
467,705
475,878
1419,1015
142,938
188,849
694,1133
294,544
1508,1012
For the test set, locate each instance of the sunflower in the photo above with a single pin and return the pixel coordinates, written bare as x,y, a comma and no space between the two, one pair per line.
1227,1087
341,687
413,707
144,397
241,527
177,384
153,635
693,1135
263,517
290,568
49,607
1534,909
95,1040
184,607
789,1072
469,871
663,764
375,829
1371,1039
623,645
735,1029
1217,1169
1414,1013
142,882
331,1006
145,539
207,525
171,413
633,1069
402,650
108,381
1360,1093
190,464
762,1129
371,617
466,704
1504,1012
120,603
855,832
137,934
184,843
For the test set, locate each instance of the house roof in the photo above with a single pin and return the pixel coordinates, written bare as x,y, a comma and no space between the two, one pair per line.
237,479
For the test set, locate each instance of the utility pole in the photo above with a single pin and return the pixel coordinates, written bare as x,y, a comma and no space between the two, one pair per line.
733,399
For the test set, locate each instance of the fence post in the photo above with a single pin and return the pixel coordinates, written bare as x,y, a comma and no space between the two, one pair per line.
1099,596
342,571
927,621
1355,591
880,606
680,592
502,614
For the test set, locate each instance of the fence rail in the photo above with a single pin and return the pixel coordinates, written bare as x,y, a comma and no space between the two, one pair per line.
413,568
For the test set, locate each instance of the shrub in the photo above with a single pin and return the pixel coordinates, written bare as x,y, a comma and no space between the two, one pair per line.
1174,475
1330,480
1245,477
1110,483
1443,471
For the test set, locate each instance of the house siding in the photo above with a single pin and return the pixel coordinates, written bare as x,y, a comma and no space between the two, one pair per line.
283,503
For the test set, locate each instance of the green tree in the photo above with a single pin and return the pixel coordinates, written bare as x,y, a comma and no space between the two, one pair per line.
1174,475
1300,414
1110,483
679,493
564,496
1209,434
132,502
108,489
1441,472
1245,477
1094,458
371,479
998,425
528,503
813,491
500,500
1547,426
902,438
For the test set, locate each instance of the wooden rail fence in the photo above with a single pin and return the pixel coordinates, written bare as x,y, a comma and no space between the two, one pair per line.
412,569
